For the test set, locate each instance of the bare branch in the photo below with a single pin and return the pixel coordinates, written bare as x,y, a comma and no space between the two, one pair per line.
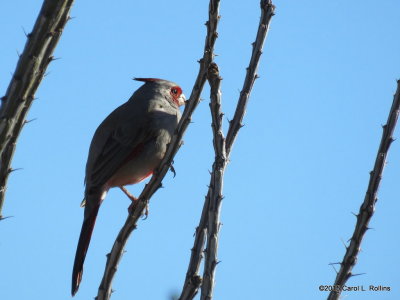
216,186
28,74
193,280
114,257
368,206
267,11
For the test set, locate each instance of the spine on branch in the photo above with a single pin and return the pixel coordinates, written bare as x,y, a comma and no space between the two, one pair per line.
367,208
30,70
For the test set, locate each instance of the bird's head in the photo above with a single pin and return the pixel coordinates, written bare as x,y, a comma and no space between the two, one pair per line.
170,90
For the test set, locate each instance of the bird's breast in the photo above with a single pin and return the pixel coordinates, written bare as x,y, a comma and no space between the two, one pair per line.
142,162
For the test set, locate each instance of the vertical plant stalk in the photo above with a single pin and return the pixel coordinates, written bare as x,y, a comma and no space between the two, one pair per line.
267,12
31,67
367,208
216,186
193,281
114,257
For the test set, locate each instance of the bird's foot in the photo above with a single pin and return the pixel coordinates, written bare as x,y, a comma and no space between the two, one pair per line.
146,212
131,197
134,199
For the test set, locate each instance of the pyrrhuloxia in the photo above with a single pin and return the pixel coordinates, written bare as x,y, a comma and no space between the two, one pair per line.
126,148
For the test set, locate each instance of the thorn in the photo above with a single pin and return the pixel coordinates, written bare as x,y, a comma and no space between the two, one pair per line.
333,267
352,275
23,29
26,121
256,76
19,55
45,74
3,218
344,244
354,214
13,170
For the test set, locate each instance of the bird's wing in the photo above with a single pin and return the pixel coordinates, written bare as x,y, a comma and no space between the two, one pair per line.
116,138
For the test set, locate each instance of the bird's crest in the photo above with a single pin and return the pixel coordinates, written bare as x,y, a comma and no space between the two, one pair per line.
148,79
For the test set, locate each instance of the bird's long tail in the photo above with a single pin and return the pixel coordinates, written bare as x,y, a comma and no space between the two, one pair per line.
83,245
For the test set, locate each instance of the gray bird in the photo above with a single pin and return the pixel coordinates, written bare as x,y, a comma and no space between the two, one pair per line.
126,148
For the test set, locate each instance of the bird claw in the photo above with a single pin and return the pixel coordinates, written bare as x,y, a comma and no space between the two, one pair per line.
171,167
146,212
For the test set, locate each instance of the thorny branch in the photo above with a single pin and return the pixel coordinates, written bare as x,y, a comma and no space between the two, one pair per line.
31,68
267,12
368,206
193,280
113,258
216,186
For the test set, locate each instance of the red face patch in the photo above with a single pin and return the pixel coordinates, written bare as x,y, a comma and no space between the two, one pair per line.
175,92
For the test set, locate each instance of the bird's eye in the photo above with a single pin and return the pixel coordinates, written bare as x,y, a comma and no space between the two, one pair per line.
174,91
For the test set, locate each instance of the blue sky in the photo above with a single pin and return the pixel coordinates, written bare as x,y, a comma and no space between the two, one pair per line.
298,170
